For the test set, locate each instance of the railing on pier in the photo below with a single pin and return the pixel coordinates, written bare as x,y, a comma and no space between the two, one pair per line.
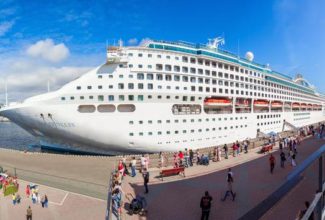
109,198
292,180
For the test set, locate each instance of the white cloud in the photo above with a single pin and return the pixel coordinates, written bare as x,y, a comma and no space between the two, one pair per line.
47,50
132,41
144,40
5,27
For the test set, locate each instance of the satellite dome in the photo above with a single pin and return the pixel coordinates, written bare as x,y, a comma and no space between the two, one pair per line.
249,56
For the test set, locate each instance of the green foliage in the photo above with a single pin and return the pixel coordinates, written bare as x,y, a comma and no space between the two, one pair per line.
10,189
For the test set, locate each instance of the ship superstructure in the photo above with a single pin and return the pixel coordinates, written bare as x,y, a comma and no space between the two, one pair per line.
168,96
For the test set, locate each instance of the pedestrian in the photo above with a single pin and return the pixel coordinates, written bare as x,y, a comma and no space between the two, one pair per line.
225,148
14,199
46,201
246,146
27,191
147,162
281,145
234,149
161,158
238,147
145,175
205,205
176,160
43,201
191,157
180,158
133,166
29,213
18,198
230,180
143,162
34,197
293,158
303,212
272,162
120,168
187,158
219,154
282,158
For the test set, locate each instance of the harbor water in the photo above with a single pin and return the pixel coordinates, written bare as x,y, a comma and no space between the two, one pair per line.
14,137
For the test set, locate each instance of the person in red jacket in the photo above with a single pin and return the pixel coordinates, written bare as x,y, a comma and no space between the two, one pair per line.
181,157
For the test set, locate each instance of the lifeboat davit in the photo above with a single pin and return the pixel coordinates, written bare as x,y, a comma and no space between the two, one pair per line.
276,104
261,103
218,102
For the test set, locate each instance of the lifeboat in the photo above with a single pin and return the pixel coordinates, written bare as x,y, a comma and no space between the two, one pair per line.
242,104
217,102
261,103
276,104
295,105
303,105
315,106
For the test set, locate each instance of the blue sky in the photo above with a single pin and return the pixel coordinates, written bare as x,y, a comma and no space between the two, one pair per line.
287,34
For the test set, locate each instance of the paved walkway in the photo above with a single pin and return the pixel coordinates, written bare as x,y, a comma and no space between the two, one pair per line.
178,198
63,205
86,175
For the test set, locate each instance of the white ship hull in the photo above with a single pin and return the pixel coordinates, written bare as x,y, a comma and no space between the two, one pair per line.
152,123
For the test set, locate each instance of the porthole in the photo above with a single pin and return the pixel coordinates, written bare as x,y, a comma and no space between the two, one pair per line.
106,108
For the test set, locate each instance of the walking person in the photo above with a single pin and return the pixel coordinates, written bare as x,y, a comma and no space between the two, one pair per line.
29,214
191,157
246,146
46,201
219,154
143,162
272,162
293,158
145,175
133,166
43,201
27,191
230,180
205,205
282,158
187,158
225,148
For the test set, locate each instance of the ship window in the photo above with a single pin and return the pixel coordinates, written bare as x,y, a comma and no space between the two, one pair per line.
159,121
131,122
106,108
159,67
131,86
62,98
176,78
159,133
99,76
168,67
121,97
91,97
110,98
88,87
78,87
140,66
131,134
159,77
185,59
140,97
141,133
149,55
86,108
140,85
150,86
101,98
177,68
149,133
100,87
82,97
131,97
121,86
72,98
126,108
149,76
140,76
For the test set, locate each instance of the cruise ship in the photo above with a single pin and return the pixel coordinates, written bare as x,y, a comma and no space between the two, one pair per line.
168,96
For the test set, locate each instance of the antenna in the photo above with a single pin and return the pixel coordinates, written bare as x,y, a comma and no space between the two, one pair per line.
6,93
48,85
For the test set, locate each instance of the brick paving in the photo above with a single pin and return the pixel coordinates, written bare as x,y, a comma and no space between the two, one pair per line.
62,206
178,198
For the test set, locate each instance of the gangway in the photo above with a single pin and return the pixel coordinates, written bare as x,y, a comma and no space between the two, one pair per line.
285,123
